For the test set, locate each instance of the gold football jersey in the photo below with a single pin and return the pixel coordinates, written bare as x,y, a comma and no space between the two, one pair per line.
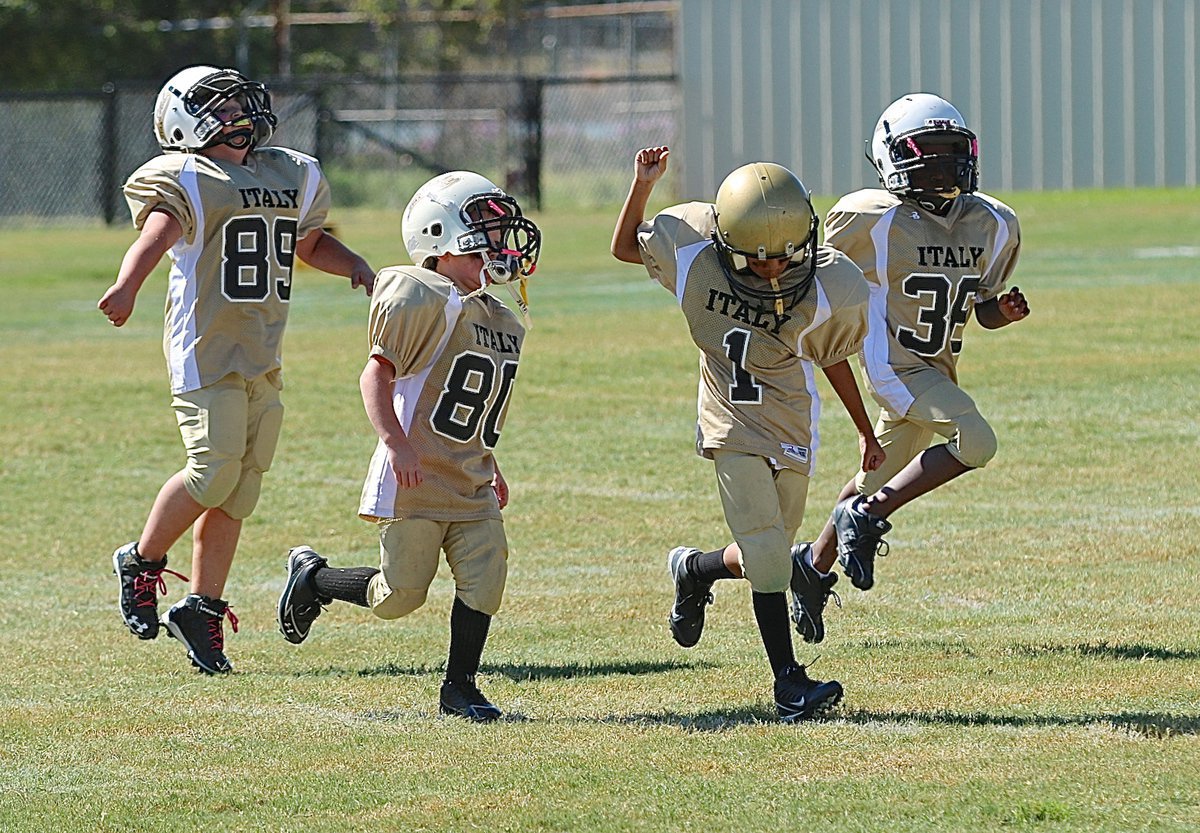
926,274
455,363
231,272
758,393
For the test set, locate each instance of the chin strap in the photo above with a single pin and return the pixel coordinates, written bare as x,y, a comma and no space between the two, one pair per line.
778,301
241,138
521,299
942,203
520,296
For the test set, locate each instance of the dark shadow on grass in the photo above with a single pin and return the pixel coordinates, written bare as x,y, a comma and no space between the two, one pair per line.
408,717
517,672
523,672
714,720
1147,724
387,669
1105,650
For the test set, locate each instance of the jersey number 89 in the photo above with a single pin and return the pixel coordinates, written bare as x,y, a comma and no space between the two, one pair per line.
249,247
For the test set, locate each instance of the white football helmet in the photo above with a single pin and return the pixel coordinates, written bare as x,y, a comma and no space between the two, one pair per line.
923,149
461,212
185,117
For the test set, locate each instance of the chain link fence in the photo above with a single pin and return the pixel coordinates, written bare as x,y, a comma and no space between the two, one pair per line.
552,141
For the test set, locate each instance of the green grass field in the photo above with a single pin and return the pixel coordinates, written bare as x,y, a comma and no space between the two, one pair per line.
1028,660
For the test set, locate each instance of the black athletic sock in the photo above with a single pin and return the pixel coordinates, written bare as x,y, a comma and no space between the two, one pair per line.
468,633
348,584
709,566
771,613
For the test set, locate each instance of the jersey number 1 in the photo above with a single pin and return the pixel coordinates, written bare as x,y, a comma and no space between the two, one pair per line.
745,389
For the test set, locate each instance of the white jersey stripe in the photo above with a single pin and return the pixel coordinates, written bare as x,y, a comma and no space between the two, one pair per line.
181,292
876,348
822,314
311,181
683,265
380,488
998,246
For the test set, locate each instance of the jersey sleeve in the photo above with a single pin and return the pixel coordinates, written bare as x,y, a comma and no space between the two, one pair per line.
841,322
848,229
1008,249
407,320
661,238
318,209
156,185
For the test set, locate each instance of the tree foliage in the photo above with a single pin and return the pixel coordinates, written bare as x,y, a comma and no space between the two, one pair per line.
81,44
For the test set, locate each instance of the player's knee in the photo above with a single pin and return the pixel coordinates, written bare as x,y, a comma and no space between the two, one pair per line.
391,603
486,589
240,505
768,574
211,481
976,441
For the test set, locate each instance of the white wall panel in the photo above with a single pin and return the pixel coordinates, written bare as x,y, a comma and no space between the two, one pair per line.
1064,93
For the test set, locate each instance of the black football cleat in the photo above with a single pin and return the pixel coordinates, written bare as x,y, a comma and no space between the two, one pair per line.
198,622
810,593
141,584
691,597
464,699
860,540
799,697
299,604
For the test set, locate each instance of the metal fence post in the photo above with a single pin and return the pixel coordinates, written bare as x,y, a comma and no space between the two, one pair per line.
532,114
108,159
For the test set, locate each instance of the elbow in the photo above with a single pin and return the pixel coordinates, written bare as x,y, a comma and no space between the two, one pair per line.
625,253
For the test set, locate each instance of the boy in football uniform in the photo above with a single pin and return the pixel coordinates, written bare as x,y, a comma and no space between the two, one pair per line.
436,387
934,250
763,303
233,215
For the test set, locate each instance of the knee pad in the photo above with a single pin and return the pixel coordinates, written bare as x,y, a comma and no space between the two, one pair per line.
389,603
241,503
975,443
767,566
486,589
211,481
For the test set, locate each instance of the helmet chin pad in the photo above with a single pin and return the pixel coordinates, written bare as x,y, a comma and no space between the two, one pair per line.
500,267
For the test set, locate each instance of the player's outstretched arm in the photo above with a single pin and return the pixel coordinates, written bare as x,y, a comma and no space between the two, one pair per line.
649,164
841,379
1000,312
159,233
323,251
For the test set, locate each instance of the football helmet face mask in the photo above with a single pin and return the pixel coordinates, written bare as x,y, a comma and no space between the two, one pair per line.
195,104
763,212
923,150
461,212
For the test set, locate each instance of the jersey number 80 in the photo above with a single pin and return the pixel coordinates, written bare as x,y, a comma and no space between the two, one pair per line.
462,411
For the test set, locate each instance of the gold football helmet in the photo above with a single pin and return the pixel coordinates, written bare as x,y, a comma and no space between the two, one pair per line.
763,212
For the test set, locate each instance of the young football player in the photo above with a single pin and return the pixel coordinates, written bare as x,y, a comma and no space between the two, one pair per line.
233,215
933,250
763,303
436,387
